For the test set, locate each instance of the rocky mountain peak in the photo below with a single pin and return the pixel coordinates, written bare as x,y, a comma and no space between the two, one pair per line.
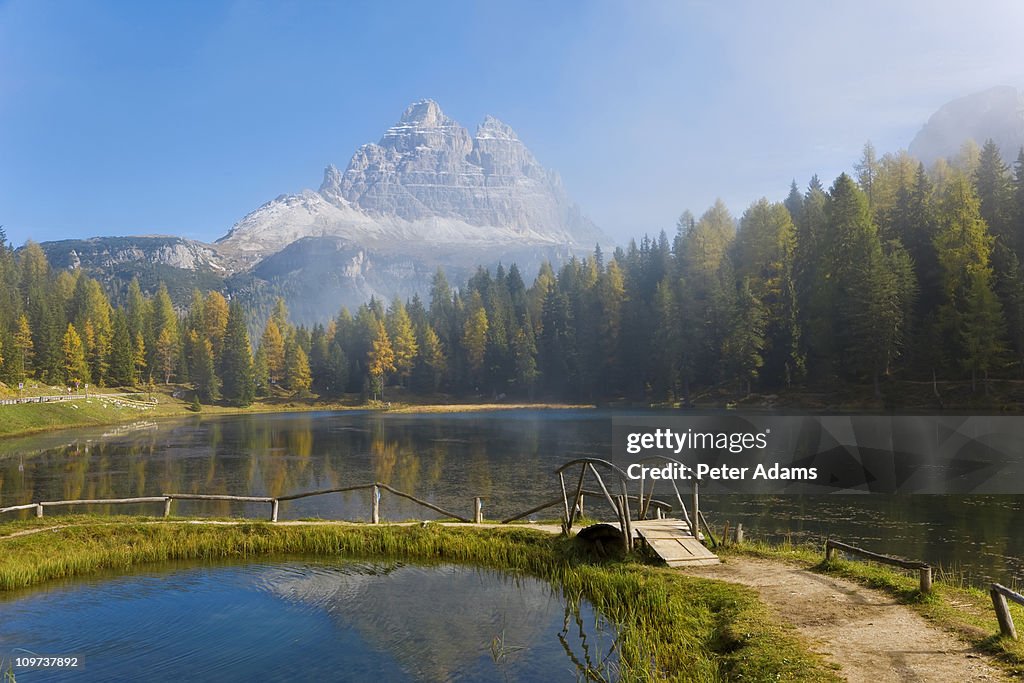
427,181
331,186
492,128
425,114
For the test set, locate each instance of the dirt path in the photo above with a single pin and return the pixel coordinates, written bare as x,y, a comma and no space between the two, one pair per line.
869,634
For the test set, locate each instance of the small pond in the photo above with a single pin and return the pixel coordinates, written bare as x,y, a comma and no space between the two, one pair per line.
307,620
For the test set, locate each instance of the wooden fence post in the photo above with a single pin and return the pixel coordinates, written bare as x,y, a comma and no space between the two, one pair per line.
629,523
1003,615
375,505
274,507
739,533
623,505
696,511
478,510
828,551
167,506
39,509
926,580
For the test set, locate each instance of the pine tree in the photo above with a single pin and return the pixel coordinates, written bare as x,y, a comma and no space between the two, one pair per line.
121,367
280,316
433,357
964,246
867,172
201,367
237,374
981,328
992,183
272,346
850,267
745,340
260,373
139,356
380,360
215,321
166,353
474,336
76,370
297,376
23,343
403,339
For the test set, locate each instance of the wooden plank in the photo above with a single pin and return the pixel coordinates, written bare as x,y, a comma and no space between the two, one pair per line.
674,544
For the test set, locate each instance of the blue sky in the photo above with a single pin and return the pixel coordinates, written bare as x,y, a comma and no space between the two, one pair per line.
180,118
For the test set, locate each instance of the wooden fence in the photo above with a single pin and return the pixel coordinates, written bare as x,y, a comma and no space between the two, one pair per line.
923,568
1000,594
274,502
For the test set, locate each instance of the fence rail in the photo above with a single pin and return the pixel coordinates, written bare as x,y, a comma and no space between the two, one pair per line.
924,568
274,502
1000,594
117,398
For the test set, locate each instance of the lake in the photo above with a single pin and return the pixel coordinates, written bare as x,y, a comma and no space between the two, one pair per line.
307,620
506,457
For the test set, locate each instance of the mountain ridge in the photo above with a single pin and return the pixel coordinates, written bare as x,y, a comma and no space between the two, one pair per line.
427,194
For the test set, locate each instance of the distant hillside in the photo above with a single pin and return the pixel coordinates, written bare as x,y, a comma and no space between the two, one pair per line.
996,113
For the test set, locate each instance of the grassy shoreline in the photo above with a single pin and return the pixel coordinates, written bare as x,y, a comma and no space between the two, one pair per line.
96,411
964,611
672,627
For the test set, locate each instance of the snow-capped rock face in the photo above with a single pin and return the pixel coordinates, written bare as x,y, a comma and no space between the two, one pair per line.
996,113
427,180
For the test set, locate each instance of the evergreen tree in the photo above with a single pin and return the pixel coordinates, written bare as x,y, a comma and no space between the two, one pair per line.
201,367
474,335
433,357
742,350
992,183
237,374
380,360
24,346
272,347
403,340
215,321
76,371
166,353
139,356
121,366
297,376
964,245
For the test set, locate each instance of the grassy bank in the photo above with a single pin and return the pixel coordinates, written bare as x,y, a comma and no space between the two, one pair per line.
672,627
963,610
30,418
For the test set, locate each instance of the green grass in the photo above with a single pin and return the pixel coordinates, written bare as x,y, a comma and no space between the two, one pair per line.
964,610
671,626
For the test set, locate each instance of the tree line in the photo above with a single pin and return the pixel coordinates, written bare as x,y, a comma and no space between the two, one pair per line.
891,272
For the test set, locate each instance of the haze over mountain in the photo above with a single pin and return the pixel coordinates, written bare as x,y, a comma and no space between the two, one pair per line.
428,194
996,113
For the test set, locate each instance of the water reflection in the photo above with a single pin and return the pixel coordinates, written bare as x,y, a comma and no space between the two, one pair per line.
506,457
300,620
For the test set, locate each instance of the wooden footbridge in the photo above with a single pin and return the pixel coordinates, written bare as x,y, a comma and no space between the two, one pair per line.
676,540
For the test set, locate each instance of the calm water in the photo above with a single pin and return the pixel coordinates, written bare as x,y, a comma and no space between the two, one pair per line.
307,621
506,457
